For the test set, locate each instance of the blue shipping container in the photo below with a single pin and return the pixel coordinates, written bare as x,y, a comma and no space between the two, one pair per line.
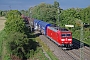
36,24
43,26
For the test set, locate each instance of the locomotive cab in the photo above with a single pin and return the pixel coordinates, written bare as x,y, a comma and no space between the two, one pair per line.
66,39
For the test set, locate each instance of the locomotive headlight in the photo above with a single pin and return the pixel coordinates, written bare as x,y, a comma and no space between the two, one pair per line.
69,39
62,39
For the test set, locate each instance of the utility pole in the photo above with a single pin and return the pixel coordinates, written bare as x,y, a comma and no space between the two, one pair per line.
10,7
30,15
58,15
25,12
81,43
59,11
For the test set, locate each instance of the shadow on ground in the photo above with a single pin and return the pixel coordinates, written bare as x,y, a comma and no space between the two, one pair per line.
77,44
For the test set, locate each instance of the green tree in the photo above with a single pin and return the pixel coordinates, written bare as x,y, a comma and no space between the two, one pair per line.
45,12
56,4
16,43
85,15
14,22
1,12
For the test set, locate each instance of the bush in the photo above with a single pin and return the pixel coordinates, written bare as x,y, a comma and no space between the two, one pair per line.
20,45
14,22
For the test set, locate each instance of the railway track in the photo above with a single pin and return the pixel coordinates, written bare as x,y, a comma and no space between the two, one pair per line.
61,54
55,49
85,54
73,54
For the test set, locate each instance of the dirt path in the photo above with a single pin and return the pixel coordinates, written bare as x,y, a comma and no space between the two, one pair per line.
2,21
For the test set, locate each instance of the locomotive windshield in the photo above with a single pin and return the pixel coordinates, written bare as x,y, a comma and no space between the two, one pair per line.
68,34
65,35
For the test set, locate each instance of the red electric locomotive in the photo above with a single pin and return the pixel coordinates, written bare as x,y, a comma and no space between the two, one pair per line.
61,36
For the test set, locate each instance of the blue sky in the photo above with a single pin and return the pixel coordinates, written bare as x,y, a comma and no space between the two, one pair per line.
25,4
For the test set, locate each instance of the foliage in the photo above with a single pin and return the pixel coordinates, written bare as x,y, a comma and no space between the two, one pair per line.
3,13
85,15
45,12
56,4
7,57
20,45
3,51
24,12
38,55
14,22
2,35
18,42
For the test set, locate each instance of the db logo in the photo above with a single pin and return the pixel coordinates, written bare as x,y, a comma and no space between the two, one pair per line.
66,39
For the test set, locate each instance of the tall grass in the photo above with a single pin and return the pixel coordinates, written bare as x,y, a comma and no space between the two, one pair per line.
3,48
47,49
2,35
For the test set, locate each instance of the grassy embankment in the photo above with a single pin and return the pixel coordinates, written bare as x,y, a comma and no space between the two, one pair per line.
47,49
3,50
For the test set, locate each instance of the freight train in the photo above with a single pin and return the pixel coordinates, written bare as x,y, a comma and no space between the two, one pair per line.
61,36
